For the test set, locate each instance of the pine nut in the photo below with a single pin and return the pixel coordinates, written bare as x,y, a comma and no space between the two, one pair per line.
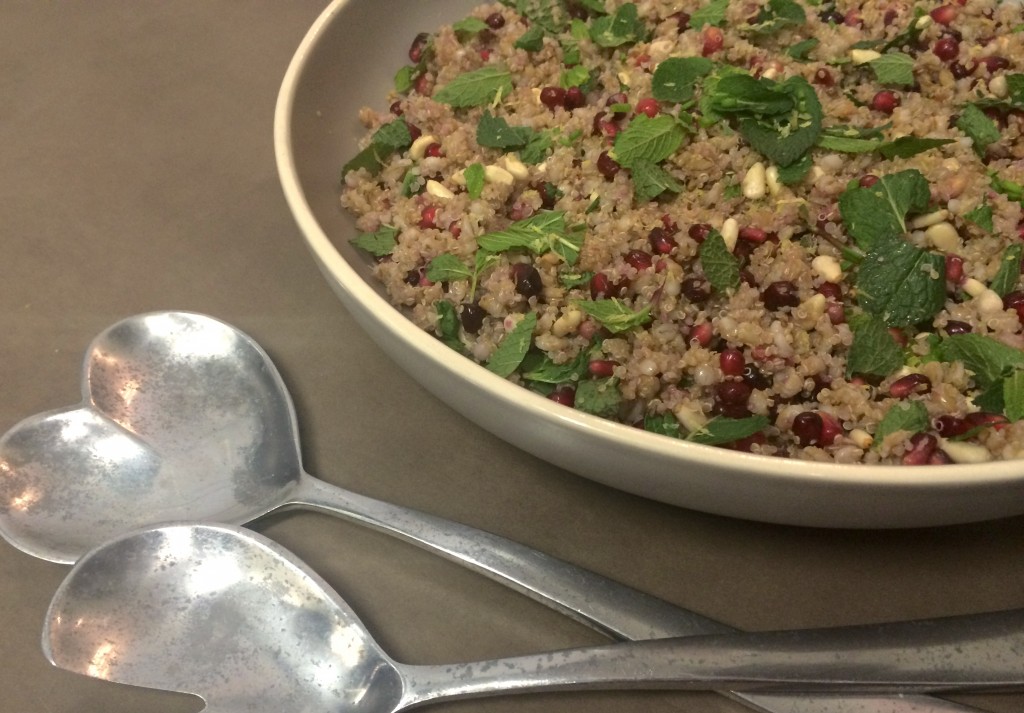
771,176
419,147
963,452
973,287
753,183
944,236
730,233
862,56
438,190
497,174
929,219
516,167
827,268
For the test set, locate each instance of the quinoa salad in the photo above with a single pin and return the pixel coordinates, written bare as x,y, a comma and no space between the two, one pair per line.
789,227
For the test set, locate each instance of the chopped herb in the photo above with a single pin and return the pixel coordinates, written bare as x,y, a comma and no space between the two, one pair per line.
901,283
675,79
978,127
536,149
647,139
389,138
538,366
495,132
379,244
578,76
475,180
721,430
1013,395
796,172
894,68
570,280
1008,275
981,216
614,315
476,88
989,359
664,424
599,397
909,37
1011,189
801,50
446,267
873,351
448,326
650,180
404,78
468,27
873,212
411,183
907,146
775,16
540,233
512,349
909,416
532,40
624,27
720,266
711,14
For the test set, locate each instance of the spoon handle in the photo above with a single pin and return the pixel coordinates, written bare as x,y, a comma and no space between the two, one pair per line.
977,652
612,608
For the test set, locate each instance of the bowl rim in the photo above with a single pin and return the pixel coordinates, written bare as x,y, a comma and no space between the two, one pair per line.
927,477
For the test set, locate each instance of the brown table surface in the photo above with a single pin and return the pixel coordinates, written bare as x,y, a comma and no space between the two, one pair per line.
138,174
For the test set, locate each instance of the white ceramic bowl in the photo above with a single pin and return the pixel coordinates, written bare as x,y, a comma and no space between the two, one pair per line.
348,60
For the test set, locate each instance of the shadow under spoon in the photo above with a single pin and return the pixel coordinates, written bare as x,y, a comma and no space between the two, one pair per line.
228,615
186,418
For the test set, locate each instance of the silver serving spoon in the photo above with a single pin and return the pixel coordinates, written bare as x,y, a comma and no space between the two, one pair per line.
186,418
228,615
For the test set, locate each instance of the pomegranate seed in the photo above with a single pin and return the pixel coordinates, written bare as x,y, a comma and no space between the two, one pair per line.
824,78
661,242
552,97
565,395
602,367
472,317
910,384
682,20
701,334
853,19
433,151
885,101
618,98
889,17
836,313
601,286
575,98
495,21
992,64
414,131
639,260
1015,301
867,180
731,399
607,166
713,41
946,48
419,44
699,231
954,269
807,427
648,106
753,235
940,457
428,217
980,419
944,14
950,426
528,282
732,362
831,290
753,377
954,326
780,294
455,229
922,446
423,85
959,70
671,226
696,290
396,109
747,444
830,428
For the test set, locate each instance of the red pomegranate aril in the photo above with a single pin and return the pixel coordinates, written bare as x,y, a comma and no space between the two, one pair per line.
495,21
565,395
1015,301
992,63
639,260
832,291
943,14
831,429
701,334
648,106
949,426
602,367
552,97
428,217
780,294
889,17
867,180
885,101
455,229
731,362
414,131
433,151
955,326
527,279
472,317
682,20
696,290
910,384
731,398
807,428
753,235
852,18
574,98
836,313
946,48
699,231
954,269
419,44
824,78
396,108
601,286
754,378
713,41
423,85
980,419
939,457
959,70
660,241
607,166
922,446
747,444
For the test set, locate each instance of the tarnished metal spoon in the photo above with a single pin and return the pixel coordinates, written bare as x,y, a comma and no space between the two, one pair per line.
228,615
186,418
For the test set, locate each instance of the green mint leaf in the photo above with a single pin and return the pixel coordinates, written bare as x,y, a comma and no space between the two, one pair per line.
403,79
742,93
1011,189
1015,89
978,127
989,400
599,397
532,40
513,347
801,50
1006,278
909,416
711,14
989,359
874,212
675,79
785,139
624,27
664,424
578,76
550,16
537,148
796,172
595,6
411,184
477,88
540,233
1013,396
495,133
894,68
650,180
849,144
721,430
448,326
614,315
901,283
475,180
907,146
538,367
908,38
873,351
468,27
982,217
389,138
720,266
777,15
647,139
447,267
379,244
568,245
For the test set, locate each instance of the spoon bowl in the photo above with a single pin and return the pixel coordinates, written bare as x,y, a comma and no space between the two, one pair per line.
226,614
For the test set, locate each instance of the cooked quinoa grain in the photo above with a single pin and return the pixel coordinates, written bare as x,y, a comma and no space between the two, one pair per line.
786,227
